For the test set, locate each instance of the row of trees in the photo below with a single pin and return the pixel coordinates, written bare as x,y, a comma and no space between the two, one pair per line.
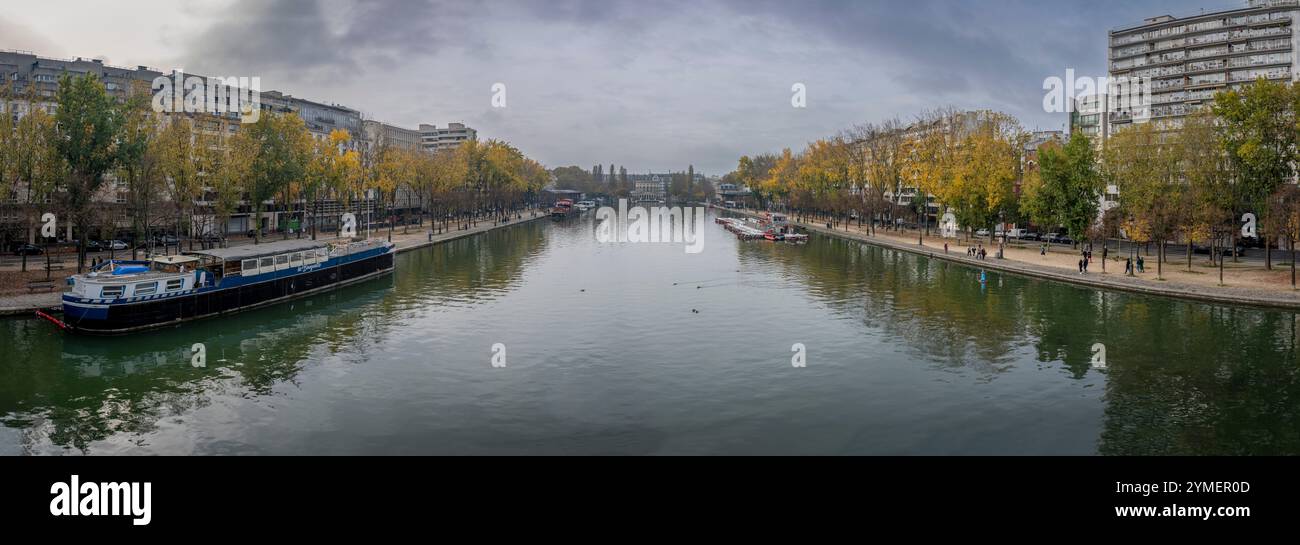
171,171
967,162
1196,180
681,185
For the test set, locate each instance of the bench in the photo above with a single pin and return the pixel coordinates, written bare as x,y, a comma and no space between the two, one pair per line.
46,285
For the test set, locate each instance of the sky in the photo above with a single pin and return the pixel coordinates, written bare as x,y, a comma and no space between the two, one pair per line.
650,85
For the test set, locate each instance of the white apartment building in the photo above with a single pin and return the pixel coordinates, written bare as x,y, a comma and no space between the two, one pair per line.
446,138
1188,59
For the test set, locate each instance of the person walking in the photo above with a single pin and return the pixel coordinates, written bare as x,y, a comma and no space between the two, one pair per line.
1128,266
1142,265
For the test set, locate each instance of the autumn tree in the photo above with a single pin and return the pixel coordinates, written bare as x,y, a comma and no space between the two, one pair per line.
1259,135
87,127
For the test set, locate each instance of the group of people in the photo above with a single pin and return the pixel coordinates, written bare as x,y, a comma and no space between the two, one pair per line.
1141,265
977,253
1085,258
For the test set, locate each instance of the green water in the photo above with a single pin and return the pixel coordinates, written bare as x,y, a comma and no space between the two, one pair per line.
645,349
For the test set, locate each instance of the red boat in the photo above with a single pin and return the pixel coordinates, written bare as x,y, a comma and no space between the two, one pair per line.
563,208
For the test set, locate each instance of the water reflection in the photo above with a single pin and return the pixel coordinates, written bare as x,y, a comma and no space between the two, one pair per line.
1181,377
69,391
907,355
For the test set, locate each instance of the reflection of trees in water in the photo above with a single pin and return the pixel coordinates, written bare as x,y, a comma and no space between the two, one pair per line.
1226,383
928,307
469,269
1181,378
71,390
74,390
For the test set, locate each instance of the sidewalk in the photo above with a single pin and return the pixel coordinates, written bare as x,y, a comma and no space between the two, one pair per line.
418,237
1244,284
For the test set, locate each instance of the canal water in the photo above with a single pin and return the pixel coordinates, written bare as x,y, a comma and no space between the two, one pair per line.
536,339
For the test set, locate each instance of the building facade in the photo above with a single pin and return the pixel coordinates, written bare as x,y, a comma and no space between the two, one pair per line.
446,138
1189,59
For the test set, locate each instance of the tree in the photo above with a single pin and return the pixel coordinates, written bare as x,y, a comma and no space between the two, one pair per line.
574,177
1207,200
879,165
139,165
34,166
179,163
87,128
1259,134
1066,189
983,182
280,149
1144,165
1284,219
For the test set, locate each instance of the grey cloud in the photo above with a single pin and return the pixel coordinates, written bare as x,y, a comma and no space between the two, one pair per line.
667,83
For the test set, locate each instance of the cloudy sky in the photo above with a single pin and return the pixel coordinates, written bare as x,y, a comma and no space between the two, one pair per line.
652,85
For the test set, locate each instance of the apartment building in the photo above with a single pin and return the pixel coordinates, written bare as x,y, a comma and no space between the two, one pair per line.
446,138
31,81
1188,59
376,132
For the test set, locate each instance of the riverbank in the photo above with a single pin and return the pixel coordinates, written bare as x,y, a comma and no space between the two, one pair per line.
1243,284
25,304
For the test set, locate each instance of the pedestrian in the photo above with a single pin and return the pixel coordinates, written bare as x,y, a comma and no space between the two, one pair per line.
945,247
1042,250
1080,265
1128,265
1142,265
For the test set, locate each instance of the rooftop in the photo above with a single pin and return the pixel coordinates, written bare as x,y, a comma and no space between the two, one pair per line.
260,250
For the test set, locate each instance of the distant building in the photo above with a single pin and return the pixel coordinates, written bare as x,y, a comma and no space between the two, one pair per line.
650,188
376,132
321,119
446,138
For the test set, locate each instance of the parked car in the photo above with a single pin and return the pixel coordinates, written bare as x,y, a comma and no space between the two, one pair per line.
1031,235
115,245
1059,238
982,233
28,249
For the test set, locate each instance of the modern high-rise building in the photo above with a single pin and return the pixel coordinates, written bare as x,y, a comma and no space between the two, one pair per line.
446,138
1188,59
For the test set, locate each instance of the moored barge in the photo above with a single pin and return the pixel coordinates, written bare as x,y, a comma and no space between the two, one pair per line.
124,296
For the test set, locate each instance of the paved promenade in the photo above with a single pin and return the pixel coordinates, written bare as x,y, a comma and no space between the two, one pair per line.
1244,283
418,237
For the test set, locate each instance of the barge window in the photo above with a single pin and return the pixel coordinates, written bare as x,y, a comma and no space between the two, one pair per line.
250,267
175,284
268,263
281,260
296,259
111,291
148,288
